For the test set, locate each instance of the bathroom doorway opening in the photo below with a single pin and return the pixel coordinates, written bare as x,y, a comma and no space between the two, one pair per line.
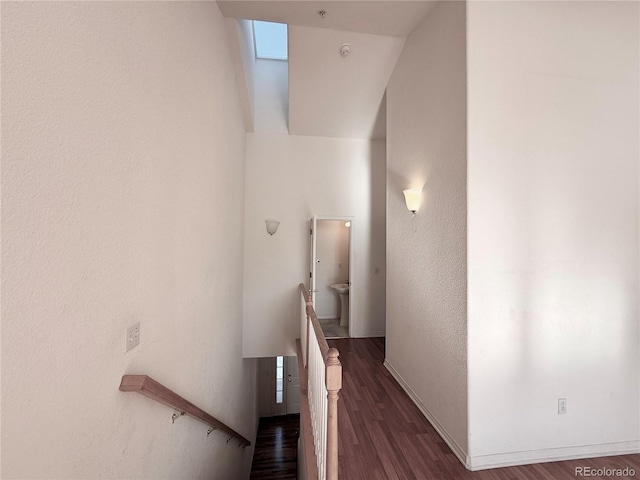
331,273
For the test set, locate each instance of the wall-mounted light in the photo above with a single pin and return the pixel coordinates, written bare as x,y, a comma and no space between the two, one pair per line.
347,224
412,198
272,226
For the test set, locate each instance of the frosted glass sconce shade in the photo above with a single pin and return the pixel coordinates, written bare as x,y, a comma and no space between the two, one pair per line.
272,226
412,198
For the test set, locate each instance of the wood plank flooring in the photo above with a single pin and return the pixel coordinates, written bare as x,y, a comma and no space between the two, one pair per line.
276,453
383,435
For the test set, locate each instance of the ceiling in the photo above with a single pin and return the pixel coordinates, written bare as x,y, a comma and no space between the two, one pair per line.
335,96
331,95
394,18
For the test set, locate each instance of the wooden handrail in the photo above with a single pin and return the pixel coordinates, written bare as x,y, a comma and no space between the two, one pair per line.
148,387
311,313
306,295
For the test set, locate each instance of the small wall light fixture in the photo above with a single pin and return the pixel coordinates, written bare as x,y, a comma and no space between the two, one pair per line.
412,198
272,226
347,224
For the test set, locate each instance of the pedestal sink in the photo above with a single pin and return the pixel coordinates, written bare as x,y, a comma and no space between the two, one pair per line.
343,292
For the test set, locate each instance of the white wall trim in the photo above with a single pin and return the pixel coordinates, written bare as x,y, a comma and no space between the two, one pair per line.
369,334
455,448
510,459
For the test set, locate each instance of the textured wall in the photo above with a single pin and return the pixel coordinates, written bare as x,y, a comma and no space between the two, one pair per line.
426,254
122,201
553,229
290,178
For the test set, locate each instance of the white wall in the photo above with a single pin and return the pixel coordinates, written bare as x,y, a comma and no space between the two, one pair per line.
553,229
122,201
271,96
243,57
336,96
332,248
267,406
426,254
290,178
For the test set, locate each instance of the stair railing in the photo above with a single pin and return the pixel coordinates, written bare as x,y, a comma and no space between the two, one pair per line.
323,372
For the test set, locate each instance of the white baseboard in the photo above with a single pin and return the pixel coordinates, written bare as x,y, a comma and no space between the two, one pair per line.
371,334
510,459
455,448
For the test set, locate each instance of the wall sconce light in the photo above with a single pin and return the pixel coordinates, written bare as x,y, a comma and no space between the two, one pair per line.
347,224
412,198
272,226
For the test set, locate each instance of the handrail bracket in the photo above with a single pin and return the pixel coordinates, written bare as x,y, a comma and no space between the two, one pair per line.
148,387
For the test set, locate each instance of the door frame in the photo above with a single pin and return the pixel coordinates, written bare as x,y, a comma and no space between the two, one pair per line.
342,218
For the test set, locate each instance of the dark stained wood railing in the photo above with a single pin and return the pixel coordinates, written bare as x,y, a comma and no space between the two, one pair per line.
148,387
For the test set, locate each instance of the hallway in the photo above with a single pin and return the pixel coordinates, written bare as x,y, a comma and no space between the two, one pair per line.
383,435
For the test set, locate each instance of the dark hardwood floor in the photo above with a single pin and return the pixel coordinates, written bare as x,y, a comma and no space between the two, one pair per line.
276,453
383,435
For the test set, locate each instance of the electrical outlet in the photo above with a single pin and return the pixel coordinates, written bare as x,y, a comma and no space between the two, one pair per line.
562,406
133,336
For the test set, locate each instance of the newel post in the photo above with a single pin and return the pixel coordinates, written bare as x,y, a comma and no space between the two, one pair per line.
334,384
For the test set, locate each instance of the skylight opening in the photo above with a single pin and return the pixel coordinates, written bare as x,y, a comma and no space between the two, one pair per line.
270,40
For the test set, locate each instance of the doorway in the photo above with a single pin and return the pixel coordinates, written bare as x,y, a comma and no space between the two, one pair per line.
332,274
279,386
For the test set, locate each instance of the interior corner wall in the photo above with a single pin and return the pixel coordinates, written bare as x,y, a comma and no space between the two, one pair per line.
553,230
122,202
426,253
291,178
266,386
243,57
271,96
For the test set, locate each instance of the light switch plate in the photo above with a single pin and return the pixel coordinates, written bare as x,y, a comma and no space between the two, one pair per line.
562,406
133,336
